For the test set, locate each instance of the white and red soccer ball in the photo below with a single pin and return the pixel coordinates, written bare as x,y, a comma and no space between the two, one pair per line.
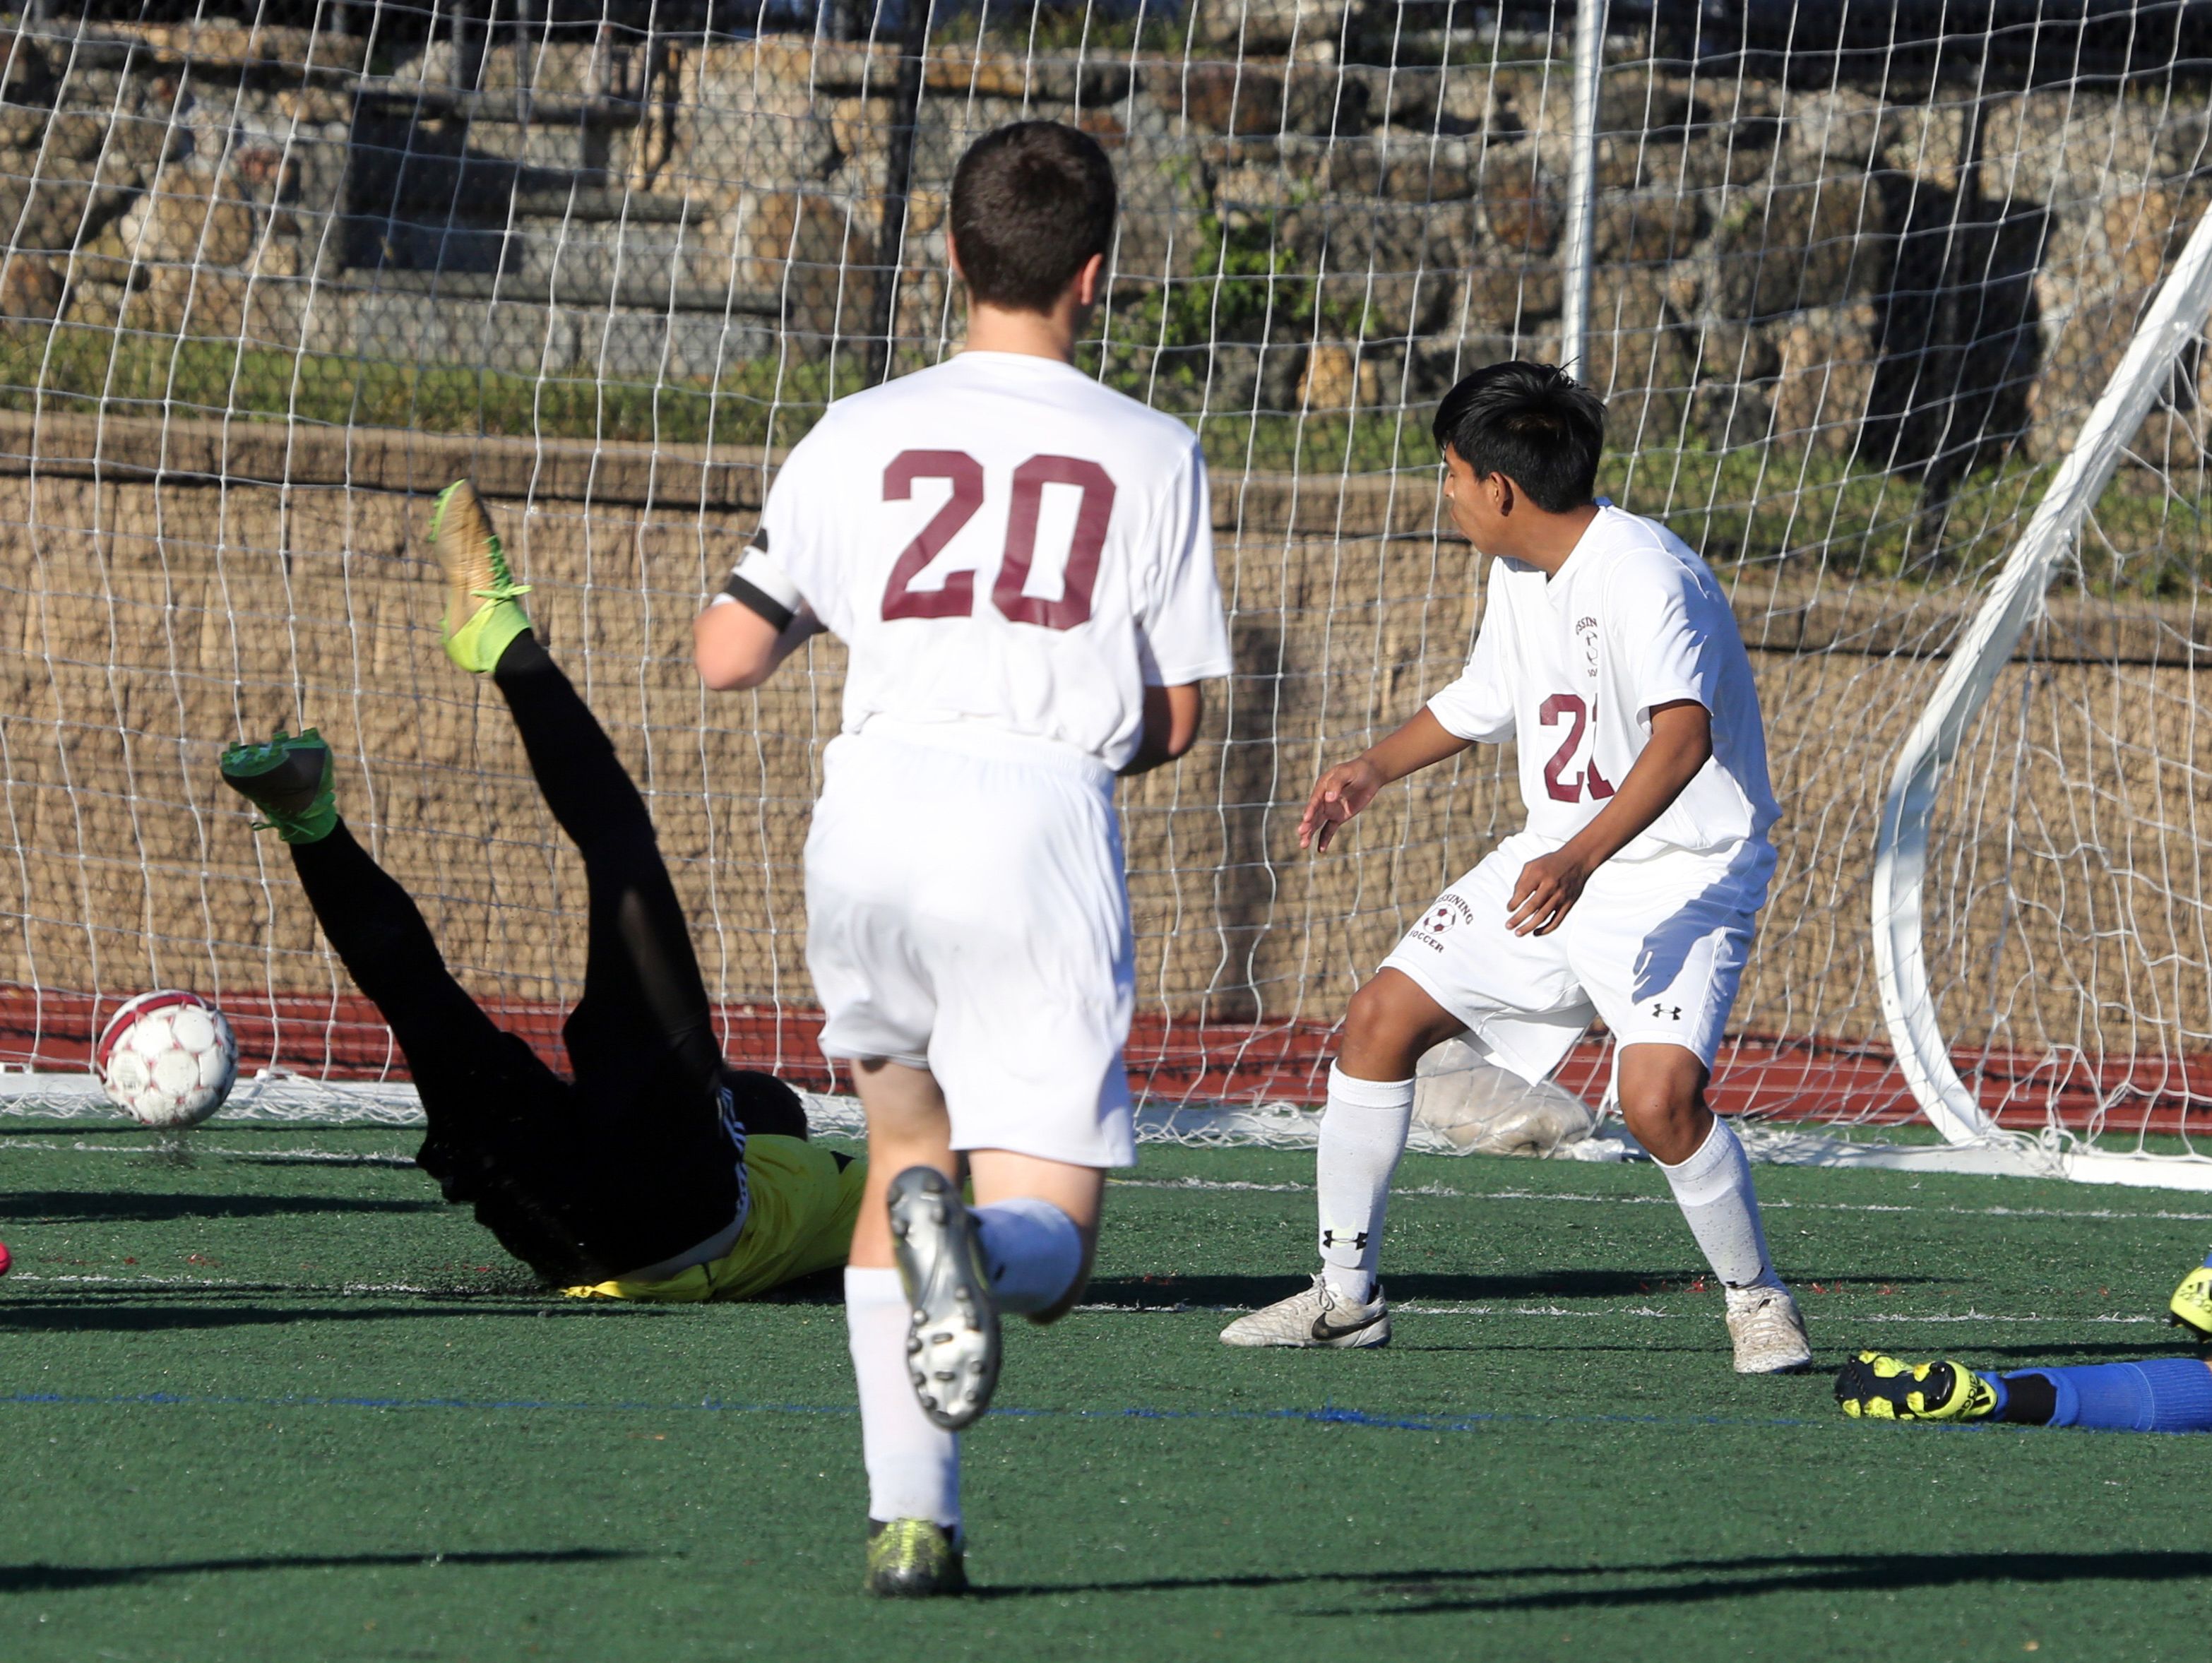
167,1059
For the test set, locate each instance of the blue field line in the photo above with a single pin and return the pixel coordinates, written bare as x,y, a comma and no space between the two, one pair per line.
1327,1414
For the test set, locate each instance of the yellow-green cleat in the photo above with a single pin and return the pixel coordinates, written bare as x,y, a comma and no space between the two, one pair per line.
2191,1304
481,612
913,1559
290,780
1872,1386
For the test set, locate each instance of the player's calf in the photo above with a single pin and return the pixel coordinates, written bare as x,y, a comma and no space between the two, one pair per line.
1662,1099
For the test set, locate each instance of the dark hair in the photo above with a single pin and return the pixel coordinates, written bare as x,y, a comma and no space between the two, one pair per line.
1533,423
1030,203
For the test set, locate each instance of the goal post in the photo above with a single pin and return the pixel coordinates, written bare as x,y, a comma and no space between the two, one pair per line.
2175,320
1852,278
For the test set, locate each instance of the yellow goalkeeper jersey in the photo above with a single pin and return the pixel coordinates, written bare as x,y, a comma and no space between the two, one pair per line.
801,1220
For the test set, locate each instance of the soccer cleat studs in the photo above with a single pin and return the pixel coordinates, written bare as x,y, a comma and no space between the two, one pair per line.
1872,1386
952,1339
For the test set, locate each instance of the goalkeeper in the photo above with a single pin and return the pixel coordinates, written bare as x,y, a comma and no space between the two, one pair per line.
658,1173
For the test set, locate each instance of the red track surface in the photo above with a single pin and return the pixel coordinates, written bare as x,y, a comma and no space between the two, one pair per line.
344,1039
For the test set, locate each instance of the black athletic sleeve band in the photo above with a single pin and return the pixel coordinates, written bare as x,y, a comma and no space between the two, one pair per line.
755,599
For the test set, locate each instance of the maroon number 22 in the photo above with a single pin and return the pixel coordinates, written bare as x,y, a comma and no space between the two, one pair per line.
957,598
1567,707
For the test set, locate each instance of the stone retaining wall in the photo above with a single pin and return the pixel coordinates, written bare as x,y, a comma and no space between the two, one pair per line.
157,620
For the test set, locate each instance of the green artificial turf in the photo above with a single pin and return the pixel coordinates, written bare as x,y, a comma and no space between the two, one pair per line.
281,1403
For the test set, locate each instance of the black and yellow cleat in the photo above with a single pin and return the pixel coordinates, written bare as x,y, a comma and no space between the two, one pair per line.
1872,1386
289,780
913,1559
2191,1304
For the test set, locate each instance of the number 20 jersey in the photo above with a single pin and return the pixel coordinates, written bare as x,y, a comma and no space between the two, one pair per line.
1001,541
1572,667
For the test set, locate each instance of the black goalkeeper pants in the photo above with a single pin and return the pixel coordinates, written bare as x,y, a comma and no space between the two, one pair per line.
631,1162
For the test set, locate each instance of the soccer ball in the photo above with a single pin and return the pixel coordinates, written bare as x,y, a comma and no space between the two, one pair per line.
167,1059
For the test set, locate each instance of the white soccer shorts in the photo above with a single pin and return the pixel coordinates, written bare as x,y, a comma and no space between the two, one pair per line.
967,913
1655,947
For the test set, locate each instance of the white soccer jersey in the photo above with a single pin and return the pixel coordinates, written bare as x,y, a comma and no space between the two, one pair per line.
1572,666
1001,541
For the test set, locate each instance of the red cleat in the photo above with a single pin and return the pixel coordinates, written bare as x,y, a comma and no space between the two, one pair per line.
7,1260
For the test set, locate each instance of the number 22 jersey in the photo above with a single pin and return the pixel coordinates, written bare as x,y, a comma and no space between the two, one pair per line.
1572,666
999,541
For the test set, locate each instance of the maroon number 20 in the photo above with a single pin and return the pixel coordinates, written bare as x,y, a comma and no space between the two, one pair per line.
957,598
1569,707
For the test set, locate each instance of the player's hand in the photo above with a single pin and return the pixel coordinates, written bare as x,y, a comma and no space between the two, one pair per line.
1545,893
1337,796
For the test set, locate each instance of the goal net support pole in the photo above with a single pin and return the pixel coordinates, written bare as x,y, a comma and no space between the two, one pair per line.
1579,249
2177,315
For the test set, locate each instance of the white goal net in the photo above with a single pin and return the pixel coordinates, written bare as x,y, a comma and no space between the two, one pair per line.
1858,274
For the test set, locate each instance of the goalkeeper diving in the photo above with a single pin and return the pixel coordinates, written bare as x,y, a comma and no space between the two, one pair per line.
2159,1394
658,1172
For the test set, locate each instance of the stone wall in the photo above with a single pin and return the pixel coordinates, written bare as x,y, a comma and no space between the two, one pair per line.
157,618
1915,276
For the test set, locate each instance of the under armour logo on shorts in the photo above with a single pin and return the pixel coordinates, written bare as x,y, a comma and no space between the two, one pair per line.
1658,1009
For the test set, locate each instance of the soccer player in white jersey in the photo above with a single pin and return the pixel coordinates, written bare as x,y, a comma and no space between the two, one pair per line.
1609,653
1021,564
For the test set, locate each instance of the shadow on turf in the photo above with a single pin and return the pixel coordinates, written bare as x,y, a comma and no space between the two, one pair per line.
123,1207
1250,1292
60,1579
1711,1578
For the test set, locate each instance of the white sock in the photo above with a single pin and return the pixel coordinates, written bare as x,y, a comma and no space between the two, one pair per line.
1713,1188
1363,1133
1031,1249
914,1466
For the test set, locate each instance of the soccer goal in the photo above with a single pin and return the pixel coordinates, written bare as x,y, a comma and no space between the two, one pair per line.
1897,309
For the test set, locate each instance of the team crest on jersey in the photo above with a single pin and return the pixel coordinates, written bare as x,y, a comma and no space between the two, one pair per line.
1448,910
1586,632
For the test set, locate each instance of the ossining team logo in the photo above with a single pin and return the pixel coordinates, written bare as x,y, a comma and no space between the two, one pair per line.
1586,632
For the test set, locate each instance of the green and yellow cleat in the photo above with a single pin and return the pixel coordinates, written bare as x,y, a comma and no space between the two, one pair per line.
290,780
2191,1304
1872,1386
482,613
913,1559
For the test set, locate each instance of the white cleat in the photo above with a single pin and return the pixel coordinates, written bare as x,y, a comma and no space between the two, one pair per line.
1768,1332
952,1343
1318,1317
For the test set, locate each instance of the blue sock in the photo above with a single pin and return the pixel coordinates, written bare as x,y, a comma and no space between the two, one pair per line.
2004,1396
2166,1394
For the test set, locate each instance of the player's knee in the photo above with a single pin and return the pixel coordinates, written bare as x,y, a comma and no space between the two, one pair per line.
1666,1111
1388,1025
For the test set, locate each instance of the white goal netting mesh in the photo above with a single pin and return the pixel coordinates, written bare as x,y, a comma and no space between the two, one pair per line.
273,275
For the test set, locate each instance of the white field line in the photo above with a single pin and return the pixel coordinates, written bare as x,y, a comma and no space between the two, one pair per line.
1447,1193
189,1283
1443,1191
192,1284
1644,1312
347,1157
